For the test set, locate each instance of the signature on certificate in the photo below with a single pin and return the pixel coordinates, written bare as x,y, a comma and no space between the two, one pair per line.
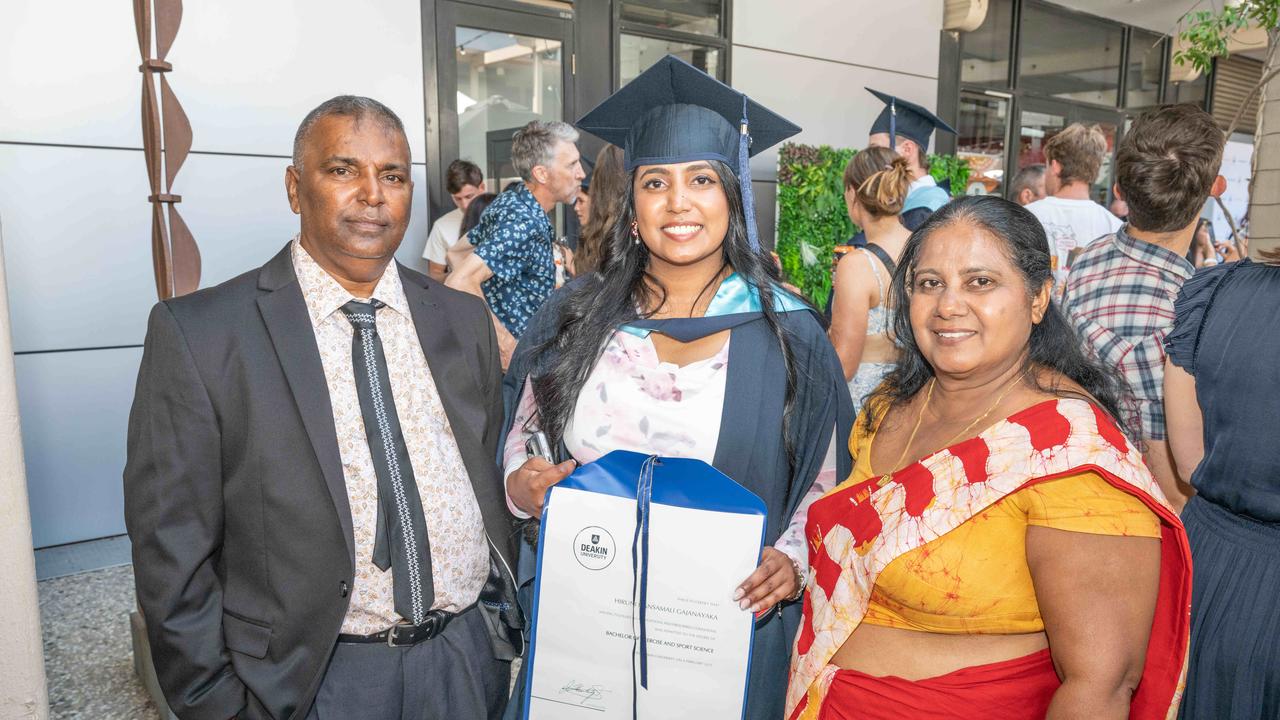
591,696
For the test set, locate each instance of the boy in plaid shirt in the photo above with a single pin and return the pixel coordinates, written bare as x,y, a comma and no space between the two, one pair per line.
1120,291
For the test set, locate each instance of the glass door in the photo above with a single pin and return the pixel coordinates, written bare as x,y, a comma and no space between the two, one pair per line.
497,70
981,141
1038,120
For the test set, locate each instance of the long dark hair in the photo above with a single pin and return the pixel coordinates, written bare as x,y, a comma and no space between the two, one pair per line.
608,298
471,217
1053,344
609,183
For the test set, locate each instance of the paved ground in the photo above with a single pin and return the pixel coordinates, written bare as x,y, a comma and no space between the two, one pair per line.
87,652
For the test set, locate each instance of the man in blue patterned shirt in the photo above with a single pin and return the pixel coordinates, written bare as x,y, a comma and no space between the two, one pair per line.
513,266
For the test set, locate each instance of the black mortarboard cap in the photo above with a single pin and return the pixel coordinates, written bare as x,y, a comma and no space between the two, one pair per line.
906,119
588,167
675,113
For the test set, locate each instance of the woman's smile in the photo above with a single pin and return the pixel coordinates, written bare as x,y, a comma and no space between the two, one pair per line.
682,231
952,336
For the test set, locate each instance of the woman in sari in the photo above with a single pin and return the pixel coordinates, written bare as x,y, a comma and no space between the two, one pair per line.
999,550
683,344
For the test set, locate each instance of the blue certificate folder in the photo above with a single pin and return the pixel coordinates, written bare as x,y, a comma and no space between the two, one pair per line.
646,481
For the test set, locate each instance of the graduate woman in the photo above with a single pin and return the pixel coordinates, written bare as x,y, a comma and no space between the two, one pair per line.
684,345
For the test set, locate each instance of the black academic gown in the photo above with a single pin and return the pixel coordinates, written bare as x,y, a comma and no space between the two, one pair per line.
750,450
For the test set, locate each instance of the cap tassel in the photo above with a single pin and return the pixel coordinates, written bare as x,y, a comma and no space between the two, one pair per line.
893,125
744,177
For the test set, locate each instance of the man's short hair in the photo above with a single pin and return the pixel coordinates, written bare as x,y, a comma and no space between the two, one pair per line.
352,106
535,144
462,172
1166,166
1079,149
922,152
1030,177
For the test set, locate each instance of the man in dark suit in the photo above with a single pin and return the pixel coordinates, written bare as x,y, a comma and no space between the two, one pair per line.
318,522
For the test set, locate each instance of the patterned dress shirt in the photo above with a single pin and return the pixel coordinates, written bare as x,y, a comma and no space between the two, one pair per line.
514,238
1119,296
459,548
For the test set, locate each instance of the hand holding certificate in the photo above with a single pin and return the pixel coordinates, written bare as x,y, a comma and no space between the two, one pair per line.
634,601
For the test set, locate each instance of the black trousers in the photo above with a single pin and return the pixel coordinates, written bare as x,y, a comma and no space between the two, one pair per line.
452,676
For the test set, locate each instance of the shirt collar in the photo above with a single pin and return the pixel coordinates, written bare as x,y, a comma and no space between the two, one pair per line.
1152,254
735,296
923,181
324,296
525,196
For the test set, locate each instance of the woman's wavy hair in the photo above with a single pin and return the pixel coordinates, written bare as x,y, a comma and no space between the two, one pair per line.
600,302
471,218
1053,343
609,183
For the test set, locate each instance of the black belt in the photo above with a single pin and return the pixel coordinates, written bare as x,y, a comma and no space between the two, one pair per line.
404,634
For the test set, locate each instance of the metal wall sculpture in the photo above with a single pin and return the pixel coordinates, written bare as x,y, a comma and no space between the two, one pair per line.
166,136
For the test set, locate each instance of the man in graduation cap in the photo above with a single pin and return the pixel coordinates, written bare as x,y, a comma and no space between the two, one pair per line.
906,127
684,344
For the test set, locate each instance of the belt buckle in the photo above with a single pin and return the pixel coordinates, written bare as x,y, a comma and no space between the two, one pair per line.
391,633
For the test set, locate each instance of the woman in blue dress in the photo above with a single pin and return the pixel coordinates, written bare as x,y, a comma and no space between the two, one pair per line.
1222,400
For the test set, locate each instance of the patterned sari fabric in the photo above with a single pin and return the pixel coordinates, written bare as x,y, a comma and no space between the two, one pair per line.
856,530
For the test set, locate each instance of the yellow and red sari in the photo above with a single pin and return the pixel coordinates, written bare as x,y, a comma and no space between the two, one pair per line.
857,529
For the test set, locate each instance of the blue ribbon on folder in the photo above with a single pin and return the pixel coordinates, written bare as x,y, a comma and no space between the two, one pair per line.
640,567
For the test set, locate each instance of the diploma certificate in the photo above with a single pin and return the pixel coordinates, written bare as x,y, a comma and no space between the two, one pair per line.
704,539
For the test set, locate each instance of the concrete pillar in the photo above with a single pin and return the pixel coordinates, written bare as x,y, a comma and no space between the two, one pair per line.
22,684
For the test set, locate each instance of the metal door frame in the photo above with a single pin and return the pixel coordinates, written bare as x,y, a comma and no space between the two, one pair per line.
441,80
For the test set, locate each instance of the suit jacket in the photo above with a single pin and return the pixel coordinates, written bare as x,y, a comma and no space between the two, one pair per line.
235,499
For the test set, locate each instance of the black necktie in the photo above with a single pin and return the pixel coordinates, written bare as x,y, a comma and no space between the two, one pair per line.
401,537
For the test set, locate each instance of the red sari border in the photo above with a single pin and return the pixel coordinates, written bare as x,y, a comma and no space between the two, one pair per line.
856,530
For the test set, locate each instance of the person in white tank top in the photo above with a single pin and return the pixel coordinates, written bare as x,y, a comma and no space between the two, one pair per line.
876,183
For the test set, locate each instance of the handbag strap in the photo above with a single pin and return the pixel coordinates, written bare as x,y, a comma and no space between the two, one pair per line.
884,257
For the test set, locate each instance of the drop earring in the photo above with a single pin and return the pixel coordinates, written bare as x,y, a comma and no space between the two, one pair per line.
635,233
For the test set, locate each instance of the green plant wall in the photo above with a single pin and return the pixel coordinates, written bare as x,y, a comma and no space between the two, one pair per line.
811,215
812,218
953,169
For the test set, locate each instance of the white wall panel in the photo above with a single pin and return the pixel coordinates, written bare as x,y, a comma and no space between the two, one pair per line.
69,73
237,210
247,71
77,246
415,238
75,408
824,98
901,35
239,214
